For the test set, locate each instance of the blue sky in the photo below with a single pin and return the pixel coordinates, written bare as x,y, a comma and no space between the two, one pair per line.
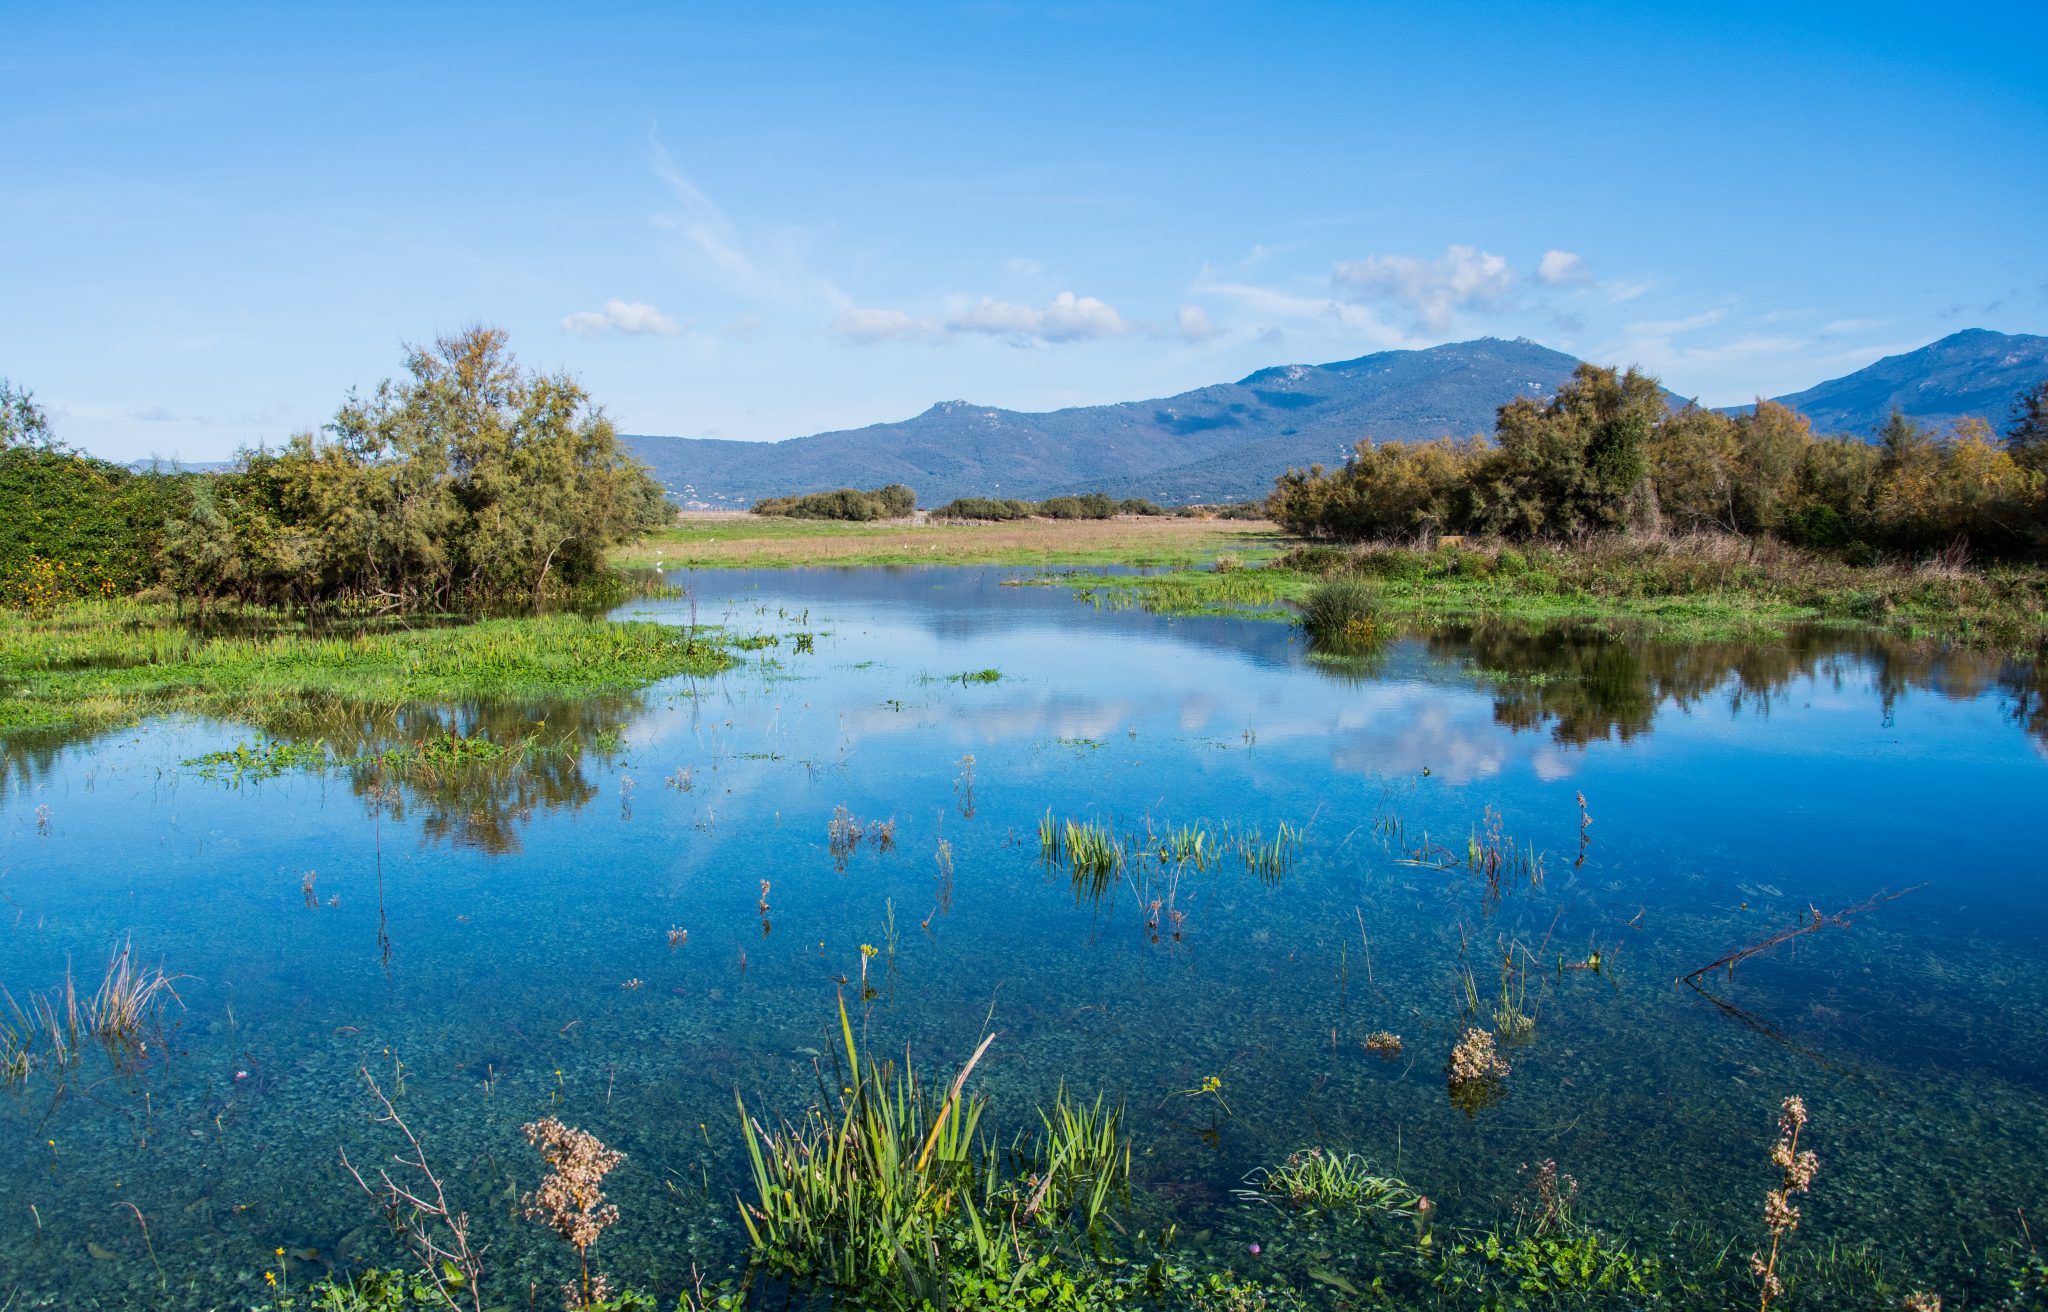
215,221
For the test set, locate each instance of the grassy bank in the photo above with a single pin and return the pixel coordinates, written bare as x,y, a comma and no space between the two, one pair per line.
98,663
1689,587
715,540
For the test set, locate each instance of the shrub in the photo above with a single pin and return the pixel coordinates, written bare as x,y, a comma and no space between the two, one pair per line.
1394,563
1322,561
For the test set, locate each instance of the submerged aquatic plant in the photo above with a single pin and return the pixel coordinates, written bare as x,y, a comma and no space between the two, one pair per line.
570,1201
1796,1169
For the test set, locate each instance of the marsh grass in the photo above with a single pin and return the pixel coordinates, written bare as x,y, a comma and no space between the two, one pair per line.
100,663
1698,585
1342,615
1086,849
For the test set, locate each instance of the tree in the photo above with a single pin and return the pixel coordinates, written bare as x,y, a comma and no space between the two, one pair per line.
22,421
2026,435
1578,462
468,483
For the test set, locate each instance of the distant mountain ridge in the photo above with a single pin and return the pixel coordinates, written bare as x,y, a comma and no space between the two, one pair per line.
1973,372
1228,441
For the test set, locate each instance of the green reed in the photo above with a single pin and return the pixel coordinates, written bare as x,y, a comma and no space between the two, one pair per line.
889,1184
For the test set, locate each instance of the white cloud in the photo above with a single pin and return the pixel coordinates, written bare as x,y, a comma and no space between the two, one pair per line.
1559,267
1195,325
868,326
1068,318
632,318
1435,290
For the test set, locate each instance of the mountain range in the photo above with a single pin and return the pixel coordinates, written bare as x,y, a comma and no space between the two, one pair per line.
1227,441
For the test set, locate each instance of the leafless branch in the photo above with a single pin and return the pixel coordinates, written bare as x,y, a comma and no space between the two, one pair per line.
437,1236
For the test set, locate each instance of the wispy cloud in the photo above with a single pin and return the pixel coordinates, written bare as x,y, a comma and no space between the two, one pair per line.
627,318
1194,324
1435,291
703,225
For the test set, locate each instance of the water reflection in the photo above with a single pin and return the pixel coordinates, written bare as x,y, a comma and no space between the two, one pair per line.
1586,682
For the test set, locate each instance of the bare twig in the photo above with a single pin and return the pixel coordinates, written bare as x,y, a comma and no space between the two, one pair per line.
437,1236
1813,920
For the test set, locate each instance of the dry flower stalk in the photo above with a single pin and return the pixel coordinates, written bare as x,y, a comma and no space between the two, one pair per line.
1796,1169
571,1201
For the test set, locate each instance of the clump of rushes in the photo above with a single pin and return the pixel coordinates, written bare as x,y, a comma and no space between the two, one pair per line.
1796,1169
571,1200
1341,613
1083,847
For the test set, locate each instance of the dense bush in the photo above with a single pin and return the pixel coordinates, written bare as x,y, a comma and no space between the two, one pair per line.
71,525
985,508
470,483
892,502
1606,453
1090,505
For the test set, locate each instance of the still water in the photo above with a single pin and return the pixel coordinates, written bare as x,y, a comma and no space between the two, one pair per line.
581,932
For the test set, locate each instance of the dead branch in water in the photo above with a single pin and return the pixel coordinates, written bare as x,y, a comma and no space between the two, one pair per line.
1812,921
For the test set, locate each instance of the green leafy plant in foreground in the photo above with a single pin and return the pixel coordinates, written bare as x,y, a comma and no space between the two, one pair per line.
890,1196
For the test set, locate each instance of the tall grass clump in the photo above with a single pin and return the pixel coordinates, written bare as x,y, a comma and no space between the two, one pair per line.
1341,613
890,1193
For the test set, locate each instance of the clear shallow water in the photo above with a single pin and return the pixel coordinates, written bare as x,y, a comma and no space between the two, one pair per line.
487,924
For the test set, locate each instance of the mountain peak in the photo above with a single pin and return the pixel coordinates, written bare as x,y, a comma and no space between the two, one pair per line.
1975,371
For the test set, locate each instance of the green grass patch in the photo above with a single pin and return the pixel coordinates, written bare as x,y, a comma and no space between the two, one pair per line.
100,663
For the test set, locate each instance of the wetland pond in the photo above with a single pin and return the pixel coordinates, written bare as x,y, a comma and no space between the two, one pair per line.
578,929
